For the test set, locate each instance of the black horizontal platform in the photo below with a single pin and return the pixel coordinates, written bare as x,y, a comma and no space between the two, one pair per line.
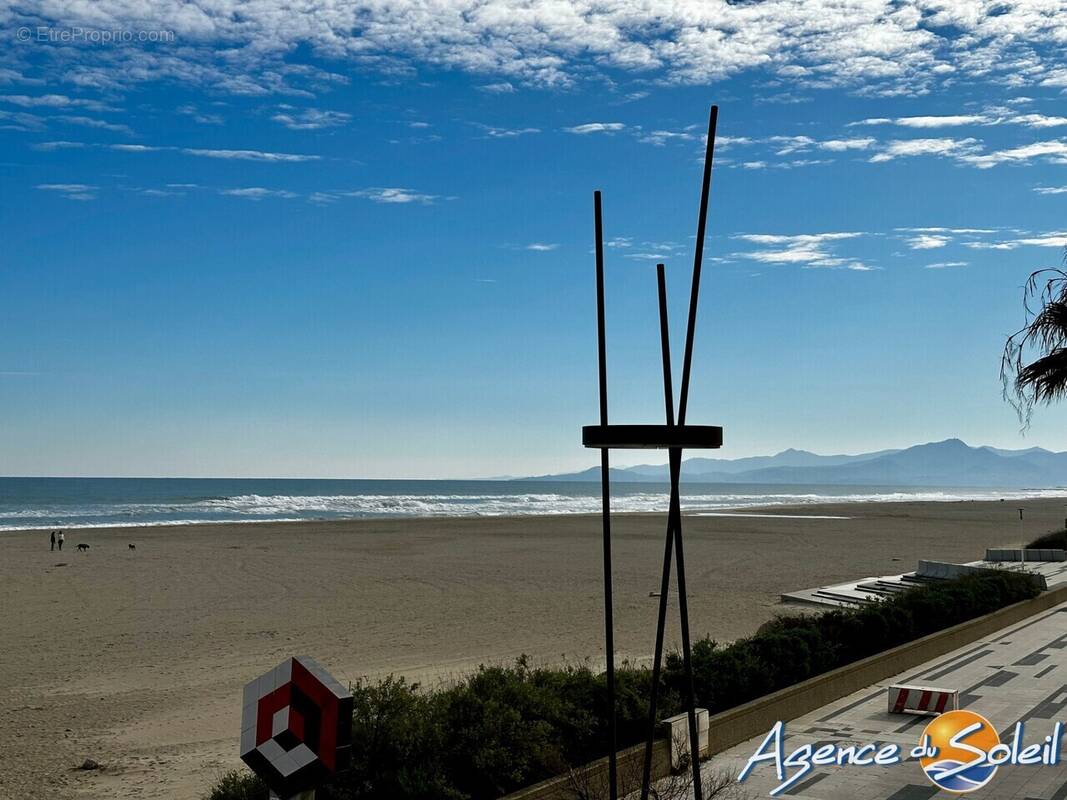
652,437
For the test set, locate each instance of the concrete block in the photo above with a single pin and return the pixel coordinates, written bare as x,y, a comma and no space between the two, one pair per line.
676,730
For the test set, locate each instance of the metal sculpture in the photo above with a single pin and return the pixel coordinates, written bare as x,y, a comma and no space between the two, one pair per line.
296,727
673,437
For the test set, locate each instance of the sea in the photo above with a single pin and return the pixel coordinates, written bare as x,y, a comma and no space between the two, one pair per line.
34,503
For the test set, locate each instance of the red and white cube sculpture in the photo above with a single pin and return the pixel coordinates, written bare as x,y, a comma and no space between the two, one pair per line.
296,726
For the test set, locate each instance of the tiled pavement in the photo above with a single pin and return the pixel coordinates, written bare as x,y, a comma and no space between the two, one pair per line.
1019,673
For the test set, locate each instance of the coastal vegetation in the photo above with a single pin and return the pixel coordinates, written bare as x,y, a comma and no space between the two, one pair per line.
1054,540
506,727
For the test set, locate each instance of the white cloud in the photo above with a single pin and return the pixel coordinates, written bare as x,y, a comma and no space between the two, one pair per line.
14,76
948,230
650,251
1047,240
927,242
646,256
840,145
790,144
784,98
503,87
947,121
992,116
393,195
946,265
53,101
236,155
882,47
660,138
722,142
796,145
935,237
71,191
1053,239
257,193
791,164
1056,77
204,119
310,119
596,127
541,247
1051,189
809,249
151,192
247,155
1038,120
1055,151
22,121
92,122
61,145
506,133
903,148
777,238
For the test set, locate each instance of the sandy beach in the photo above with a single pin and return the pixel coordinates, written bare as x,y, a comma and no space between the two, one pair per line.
136,658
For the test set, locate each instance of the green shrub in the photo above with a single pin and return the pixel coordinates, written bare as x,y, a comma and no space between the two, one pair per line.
397,743
1056,540
503,728
235,785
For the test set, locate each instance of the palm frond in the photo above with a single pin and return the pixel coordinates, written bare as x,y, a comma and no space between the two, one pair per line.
1042,338
1046,378
1049,327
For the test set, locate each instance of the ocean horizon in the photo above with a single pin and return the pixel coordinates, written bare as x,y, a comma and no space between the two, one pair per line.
28,503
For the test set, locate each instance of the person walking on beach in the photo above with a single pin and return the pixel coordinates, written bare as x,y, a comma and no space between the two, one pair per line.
53,540
60,540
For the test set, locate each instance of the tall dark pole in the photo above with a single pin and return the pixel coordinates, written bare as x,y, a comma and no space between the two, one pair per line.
698,260
690,332
609,633
665,343
674,437
683,612
665,580
674,515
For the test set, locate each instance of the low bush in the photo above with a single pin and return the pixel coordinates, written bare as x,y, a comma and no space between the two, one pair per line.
794,648
236,785
1056,540
503,728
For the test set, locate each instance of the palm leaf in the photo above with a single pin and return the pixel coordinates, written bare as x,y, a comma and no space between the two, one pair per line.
1046,378
1033,366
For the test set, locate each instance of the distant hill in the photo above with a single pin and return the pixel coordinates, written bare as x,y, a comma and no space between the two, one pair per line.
786,458
948,463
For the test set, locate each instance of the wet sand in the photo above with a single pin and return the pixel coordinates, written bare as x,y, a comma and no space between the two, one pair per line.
136,658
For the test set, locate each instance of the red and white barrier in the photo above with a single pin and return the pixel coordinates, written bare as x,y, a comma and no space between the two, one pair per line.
922,700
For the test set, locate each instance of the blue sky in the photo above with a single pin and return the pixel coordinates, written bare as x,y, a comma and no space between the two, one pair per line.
355,240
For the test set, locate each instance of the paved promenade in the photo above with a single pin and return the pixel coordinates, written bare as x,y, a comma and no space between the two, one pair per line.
1018,674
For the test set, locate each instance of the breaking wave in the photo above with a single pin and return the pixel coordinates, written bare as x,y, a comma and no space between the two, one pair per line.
497,501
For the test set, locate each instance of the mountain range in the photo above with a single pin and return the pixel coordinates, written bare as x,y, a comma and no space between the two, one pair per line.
951,463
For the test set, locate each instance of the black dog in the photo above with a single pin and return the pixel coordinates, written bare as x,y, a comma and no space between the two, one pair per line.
133,546
83,547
